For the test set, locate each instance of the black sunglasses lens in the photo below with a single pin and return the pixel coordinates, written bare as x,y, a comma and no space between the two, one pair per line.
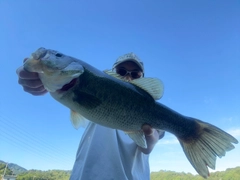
122,72
136,74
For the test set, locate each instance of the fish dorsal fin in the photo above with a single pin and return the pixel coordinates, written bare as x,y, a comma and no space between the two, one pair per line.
78,120
153,86
113,74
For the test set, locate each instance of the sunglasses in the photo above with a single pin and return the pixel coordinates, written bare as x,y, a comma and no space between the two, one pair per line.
134,74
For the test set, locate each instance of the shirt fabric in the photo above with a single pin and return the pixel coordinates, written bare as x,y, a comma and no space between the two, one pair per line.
109,154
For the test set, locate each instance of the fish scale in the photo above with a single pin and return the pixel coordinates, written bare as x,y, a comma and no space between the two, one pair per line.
110,115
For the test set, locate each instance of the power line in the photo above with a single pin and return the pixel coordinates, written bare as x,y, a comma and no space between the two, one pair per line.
30,142
19,143
14,128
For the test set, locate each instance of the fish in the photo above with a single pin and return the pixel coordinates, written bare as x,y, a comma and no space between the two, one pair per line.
103,97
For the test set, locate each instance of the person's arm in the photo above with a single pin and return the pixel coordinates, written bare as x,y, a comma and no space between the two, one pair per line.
152,136
30,82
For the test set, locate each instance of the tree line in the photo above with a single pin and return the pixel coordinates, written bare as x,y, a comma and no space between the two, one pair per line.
229,174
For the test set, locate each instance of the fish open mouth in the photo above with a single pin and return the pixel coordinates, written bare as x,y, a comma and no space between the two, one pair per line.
69,85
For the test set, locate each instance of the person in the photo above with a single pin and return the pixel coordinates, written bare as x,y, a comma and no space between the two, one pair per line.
106,153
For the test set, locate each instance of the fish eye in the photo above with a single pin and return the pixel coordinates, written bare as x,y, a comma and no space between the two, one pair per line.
58,55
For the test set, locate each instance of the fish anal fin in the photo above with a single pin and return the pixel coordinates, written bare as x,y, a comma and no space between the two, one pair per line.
204,147
138,137
78,120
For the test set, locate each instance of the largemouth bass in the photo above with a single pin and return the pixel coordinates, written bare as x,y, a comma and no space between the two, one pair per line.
106,99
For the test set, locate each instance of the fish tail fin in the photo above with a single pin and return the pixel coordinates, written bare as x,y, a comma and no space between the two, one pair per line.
202,149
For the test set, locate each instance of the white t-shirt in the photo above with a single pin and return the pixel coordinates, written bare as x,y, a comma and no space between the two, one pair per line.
109,154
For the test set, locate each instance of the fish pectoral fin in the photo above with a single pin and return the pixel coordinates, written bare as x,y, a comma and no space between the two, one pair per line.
202,148
153,86
78,120
138,137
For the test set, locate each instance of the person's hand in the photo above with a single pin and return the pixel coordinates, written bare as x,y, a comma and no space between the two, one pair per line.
30,82
152,136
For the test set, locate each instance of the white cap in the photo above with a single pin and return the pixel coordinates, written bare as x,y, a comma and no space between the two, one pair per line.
129,57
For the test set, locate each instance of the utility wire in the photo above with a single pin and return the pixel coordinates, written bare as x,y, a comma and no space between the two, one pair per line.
31,143
17,141
7,124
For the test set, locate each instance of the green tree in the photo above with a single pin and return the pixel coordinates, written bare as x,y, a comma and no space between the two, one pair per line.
229,174
2,169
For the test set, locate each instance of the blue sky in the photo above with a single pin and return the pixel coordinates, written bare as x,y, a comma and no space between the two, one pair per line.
192,46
